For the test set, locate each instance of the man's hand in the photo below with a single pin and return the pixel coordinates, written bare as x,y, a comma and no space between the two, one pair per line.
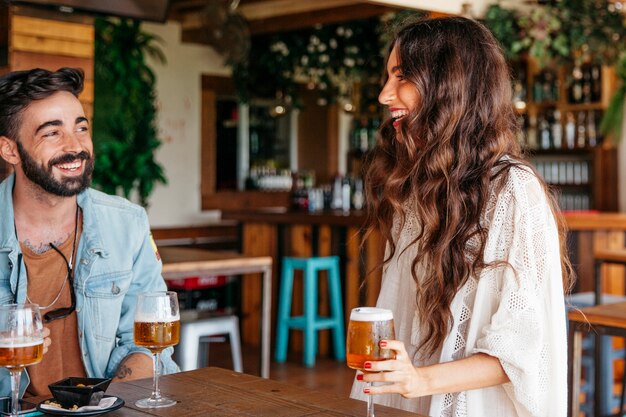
46,339
134,366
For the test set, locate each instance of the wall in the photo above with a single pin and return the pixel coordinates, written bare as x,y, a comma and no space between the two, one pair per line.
179,100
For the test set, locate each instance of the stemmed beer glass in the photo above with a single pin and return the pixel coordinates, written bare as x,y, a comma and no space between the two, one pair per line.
21,343
157,326
367,327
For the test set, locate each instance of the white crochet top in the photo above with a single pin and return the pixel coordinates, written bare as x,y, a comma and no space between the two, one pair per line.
516,315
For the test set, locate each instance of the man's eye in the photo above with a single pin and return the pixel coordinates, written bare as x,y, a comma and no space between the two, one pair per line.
50,134
82,129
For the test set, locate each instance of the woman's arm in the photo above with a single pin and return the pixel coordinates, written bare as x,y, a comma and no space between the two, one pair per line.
477,371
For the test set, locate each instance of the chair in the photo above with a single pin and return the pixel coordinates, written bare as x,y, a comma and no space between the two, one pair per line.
195,336
310,322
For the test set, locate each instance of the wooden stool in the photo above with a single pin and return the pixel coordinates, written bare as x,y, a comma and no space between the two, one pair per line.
310,322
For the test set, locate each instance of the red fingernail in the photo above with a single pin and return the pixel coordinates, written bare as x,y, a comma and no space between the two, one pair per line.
367,365
359,377
383,343
366,390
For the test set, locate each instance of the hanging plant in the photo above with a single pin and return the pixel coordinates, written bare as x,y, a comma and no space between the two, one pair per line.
124,125
329,59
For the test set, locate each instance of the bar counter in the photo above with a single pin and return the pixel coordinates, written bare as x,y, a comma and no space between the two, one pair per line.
280,232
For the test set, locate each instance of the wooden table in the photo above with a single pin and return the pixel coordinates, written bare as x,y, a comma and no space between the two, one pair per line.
607,319
225,393
185,262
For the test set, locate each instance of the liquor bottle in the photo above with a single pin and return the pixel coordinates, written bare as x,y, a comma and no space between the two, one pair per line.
557,130
592,132
576,86
544,133
586,84
570,130
548,86
596,83
581,130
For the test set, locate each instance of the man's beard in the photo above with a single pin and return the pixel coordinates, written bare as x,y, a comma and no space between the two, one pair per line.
44,178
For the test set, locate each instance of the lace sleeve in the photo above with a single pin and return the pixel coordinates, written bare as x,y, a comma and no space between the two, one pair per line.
527,331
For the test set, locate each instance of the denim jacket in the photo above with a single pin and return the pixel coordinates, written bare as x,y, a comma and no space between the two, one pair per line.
115,261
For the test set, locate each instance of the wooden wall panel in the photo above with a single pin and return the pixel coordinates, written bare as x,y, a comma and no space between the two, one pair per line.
50,43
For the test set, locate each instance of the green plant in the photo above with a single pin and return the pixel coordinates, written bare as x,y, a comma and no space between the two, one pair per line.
124,129
613,119
329,59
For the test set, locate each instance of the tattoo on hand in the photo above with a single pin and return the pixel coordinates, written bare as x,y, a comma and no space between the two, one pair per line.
123,371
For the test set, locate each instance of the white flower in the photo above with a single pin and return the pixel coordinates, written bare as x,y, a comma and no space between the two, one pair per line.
333,43
348,62
340,30
314,40
310,49
321,47
304,60
348,33
324,58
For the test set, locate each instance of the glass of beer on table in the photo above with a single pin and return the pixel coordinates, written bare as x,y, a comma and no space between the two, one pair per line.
21,343
157,326
367,327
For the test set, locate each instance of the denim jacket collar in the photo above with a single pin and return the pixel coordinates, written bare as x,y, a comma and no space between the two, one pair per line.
90,242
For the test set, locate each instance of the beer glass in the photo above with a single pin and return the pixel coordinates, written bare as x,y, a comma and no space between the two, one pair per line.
21,343
157,326
367,327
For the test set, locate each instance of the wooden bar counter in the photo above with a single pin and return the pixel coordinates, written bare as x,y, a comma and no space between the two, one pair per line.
280,232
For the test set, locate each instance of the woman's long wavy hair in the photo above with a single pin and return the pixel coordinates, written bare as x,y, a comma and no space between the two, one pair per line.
454,149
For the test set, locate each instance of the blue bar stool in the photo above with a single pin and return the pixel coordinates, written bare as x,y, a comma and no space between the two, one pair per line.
310,322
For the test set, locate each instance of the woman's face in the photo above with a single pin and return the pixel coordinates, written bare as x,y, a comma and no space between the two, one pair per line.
398,94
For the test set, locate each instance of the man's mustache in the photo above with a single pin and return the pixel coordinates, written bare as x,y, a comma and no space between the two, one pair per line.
70,157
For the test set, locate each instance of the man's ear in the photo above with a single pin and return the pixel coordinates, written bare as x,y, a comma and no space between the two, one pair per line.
8,151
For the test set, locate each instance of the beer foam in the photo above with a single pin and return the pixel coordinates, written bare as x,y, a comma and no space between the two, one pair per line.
21,342
370,314
156,318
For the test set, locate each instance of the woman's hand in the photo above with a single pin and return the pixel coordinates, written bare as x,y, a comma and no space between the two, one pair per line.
46,339
476,371
405,378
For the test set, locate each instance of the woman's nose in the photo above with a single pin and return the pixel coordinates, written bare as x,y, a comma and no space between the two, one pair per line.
385,97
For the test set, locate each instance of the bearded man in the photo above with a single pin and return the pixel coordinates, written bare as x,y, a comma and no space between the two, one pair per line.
81,255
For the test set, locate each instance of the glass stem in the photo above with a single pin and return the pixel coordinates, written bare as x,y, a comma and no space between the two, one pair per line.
156,365
16,373
370,402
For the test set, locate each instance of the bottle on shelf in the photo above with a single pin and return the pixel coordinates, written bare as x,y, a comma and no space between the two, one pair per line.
592,131
576,85
544,133
570,130
581,130
556,129
596,83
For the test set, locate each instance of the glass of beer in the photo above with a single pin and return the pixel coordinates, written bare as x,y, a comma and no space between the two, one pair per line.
367,327
21,343
157,326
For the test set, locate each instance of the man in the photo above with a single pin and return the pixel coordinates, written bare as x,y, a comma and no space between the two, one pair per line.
82,255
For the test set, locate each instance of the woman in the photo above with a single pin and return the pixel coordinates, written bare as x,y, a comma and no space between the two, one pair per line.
475,267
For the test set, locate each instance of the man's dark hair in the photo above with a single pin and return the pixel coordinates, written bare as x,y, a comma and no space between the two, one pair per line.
18,89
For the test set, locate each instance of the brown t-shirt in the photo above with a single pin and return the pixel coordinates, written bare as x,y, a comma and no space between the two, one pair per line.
46,274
